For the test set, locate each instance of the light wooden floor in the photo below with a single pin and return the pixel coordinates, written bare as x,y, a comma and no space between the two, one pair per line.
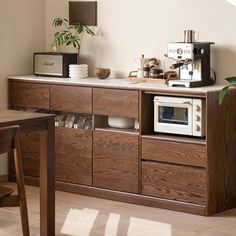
86,216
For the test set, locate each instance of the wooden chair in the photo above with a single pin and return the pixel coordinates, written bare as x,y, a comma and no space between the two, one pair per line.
9,140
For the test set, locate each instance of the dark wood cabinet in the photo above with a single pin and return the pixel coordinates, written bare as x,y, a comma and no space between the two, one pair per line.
115,161
183,173
30,155
71,99
73,147
74,156
174,152
114,102
29,95
180,183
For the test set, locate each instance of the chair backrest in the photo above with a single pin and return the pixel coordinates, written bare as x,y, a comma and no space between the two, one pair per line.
7,138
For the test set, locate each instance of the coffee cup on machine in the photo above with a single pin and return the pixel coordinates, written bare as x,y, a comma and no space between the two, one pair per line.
170,75
190,36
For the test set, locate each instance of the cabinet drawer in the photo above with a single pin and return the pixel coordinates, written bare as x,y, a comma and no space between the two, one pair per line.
29,95
112,102
73,155
71,99
115,161
180,183
174,152
30,151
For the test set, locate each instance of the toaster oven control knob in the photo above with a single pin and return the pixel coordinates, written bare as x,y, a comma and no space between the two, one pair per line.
198,108
197,128
198,118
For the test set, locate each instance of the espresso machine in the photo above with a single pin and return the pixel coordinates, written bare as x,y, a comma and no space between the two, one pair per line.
193,61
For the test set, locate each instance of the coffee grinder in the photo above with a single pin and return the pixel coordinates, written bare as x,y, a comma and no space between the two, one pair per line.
193,61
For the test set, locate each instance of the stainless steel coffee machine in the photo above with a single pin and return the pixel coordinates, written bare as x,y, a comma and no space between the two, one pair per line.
193,61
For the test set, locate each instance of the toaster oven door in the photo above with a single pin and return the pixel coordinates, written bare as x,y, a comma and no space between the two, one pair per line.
173,115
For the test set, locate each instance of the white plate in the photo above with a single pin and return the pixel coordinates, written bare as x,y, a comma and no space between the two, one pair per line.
78,66
78,74
78,70
78,77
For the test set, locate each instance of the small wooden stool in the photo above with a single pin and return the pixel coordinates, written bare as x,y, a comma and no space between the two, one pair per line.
9,140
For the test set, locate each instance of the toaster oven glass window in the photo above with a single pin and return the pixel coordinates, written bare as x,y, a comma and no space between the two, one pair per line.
173,115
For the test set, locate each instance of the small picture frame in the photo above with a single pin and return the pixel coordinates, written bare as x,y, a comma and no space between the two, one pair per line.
84,12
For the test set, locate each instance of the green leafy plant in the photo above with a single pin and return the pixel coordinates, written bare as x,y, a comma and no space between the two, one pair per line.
223,92
71,35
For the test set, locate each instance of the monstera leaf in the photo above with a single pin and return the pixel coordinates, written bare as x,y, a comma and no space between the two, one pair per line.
223,92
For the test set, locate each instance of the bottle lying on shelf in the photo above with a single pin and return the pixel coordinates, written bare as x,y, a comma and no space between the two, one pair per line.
83,122
88,123
60,120
73,120
80,122
69,122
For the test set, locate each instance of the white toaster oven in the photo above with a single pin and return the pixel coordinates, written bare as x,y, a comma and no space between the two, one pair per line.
174,115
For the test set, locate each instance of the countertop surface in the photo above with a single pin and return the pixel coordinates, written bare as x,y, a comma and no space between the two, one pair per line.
116,83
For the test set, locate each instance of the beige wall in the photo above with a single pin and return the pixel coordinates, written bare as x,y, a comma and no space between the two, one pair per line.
22,25
128,28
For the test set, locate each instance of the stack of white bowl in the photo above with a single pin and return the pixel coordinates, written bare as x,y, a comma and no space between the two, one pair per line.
78,71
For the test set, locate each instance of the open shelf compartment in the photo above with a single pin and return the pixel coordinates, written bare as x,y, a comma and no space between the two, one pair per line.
101,123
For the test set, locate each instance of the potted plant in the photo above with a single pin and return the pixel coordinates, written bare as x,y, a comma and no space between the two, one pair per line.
223,92
70,35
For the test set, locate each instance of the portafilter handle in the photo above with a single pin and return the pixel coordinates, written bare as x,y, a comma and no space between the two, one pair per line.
176,65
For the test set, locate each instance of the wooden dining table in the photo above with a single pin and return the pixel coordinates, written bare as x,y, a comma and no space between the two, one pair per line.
44,124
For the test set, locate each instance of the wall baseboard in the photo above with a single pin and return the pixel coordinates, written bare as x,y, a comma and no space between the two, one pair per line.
3,178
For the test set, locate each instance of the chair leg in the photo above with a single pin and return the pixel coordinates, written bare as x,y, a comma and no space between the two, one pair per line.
21,188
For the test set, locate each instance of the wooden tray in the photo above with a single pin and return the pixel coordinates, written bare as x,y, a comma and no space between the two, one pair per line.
148,80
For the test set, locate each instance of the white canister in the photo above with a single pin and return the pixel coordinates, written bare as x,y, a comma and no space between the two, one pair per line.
120,122
140,74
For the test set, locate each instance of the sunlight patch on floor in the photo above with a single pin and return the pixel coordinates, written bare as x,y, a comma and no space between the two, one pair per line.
140,227
82,221
233,2
79,222
112,224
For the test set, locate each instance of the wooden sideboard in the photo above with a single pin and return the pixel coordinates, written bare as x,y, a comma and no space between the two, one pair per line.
194,175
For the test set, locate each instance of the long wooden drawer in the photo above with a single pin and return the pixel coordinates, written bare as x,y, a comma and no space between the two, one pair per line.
113,102
30,95
174,152
180,183
115,161
71,99
74,156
